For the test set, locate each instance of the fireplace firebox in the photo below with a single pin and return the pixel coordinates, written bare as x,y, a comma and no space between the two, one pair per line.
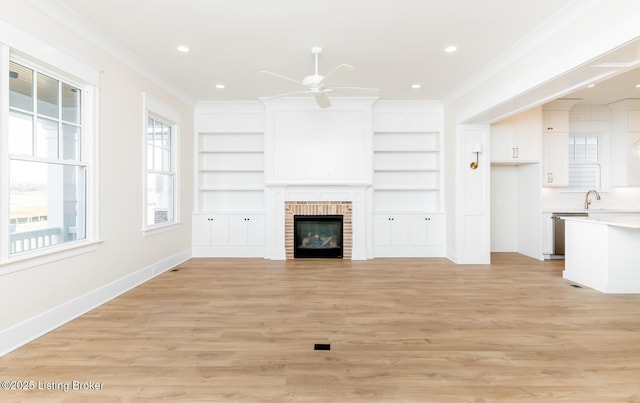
317,236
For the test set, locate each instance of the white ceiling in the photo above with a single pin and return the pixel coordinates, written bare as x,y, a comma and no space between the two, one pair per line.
391,43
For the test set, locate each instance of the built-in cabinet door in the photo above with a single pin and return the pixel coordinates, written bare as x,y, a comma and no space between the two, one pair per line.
246,230
390,230
527,135
427,230
502,141
555,167
547,234
210,230
554,121
238,230
517,139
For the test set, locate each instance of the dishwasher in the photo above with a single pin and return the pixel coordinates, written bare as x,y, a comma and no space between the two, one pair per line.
558,232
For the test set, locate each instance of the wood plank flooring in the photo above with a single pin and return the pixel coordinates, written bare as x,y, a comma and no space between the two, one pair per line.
400,330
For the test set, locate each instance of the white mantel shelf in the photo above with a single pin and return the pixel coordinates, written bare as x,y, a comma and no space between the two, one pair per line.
601,252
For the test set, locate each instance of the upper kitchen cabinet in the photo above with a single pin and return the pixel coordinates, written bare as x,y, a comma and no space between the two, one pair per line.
555,121
555,143
625,142
516,140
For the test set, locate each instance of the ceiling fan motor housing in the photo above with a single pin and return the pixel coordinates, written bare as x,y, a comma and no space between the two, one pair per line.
313,81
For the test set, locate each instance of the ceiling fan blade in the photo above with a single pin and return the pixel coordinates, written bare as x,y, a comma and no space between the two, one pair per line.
322,99
355,89
341,68
282,77
287,94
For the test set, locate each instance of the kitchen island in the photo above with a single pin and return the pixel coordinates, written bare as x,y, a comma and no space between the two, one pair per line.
602,251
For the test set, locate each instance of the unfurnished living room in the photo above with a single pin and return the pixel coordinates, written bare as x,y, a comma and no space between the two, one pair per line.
329,201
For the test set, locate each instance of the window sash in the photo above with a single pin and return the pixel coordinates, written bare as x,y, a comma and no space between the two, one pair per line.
161,201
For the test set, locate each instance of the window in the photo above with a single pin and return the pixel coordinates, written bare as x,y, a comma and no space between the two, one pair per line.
47,169
161,179
584,162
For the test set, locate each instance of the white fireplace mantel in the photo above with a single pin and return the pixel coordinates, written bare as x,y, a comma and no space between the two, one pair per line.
358,194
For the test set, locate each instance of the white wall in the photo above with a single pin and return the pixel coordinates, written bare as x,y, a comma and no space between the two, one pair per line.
41,297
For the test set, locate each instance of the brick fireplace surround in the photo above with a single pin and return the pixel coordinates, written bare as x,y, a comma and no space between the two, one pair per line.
343,208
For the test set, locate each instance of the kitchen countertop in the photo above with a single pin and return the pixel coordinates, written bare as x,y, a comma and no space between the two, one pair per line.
618,220
589,211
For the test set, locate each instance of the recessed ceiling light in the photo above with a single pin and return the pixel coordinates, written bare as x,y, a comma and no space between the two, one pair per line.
591,85
183,49
450,49
220,86
415,86
637,85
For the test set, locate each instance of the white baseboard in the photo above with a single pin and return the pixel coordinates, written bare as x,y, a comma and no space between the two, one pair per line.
22,333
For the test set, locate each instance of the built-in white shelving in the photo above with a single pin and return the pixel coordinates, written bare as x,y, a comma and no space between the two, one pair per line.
406,175
231,172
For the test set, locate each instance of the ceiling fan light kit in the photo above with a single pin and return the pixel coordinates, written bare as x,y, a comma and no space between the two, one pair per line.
316,84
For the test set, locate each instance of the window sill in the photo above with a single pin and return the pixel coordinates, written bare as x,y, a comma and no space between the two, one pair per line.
28,260
159,229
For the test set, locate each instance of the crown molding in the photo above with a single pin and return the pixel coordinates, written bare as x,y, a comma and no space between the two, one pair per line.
70,19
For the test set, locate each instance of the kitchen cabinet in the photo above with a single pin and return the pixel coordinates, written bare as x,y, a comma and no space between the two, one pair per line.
516,140
625,143
555,121
547,234
555,159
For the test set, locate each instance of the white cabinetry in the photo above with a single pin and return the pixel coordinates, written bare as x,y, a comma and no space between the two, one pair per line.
210,230
407,178
547,234
554,121
516,140
228,235
409,235
625,143
555,159
229,182
246,230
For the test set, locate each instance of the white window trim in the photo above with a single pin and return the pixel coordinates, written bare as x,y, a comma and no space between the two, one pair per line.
22,47
154,108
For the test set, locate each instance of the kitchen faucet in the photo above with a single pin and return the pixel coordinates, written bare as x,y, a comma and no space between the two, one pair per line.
587,202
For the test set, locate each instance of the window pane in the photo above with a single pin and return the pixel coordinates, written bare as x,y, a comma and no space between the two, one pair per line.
20,87
20,133
71,142
48,104
47,139
70,104
157,158
159,198
47,204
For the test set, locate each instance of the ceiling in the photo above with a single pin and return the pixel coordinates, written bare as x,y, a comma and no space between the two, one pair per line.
392,44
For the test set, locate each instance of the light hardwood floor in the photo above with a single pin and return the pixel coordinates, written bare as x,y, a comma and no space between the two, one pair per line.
406,330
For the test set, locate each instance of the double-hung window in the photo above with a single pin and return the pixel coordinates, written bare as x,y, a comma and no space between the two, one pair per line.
47,177
161,162
47,172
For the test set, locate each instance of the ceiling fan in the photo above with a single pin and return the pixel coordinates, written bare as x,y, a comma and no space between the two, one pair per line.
318,85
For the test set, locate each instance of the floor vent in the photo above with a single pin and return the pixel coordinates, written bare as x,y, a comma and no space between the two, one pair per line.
322,347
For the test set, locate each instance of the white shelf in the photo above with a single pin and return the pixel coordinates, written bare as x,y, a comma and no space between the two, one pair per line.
406,167
230,172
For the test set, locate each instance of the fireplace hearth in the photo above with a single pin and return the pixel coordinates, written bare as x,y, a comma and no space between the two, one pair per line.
318,236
